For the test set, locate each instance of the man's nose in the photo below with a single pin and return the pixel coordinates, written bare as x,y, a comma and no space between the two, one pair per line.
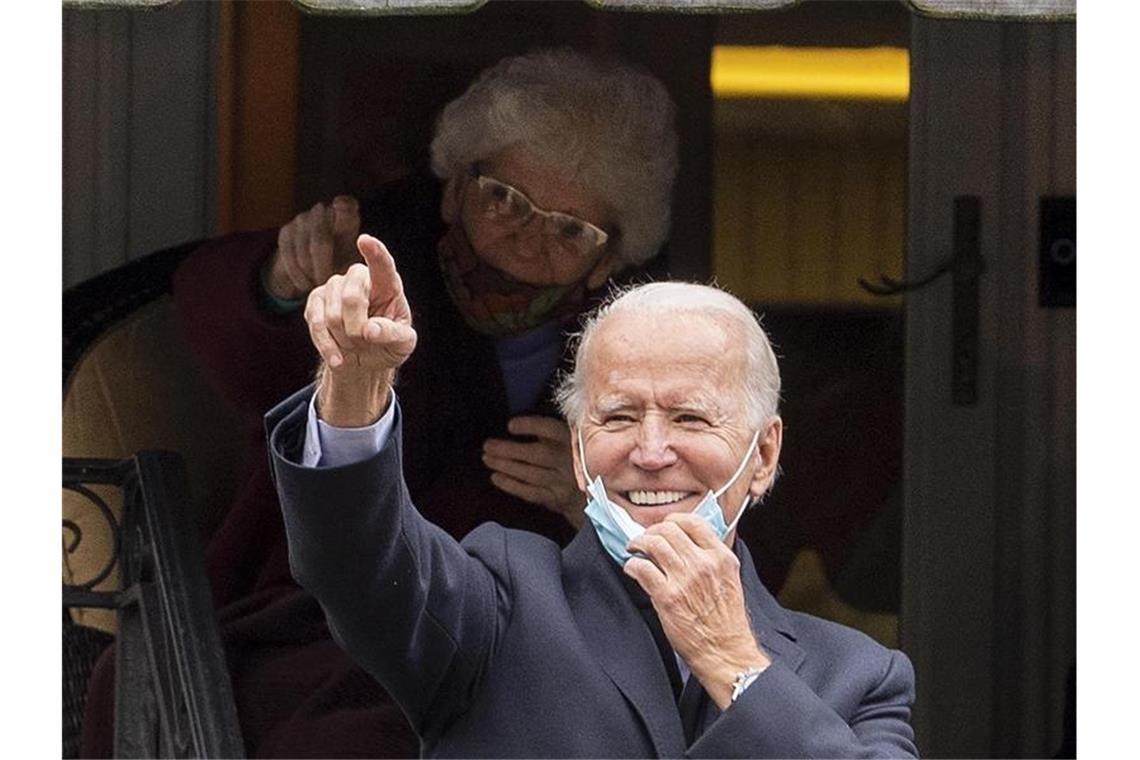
654,449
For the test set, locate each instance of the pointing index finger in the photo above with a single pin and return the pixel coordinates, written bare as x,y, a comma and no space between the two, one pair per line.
382,273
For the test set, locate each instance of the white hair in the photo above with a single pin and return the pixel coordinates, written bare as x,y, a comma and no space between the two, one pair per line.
607,124
761,370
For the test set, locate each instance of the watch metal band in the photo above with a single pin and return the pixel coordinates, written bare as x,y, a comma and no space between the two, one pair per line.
743,680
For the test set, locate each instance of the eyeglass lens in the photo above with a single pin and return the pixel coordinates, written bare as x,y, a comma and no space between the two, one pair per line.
508,204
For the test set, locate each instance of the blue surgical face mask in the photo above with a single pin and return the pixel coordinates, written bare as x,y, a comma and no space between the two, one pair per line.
614,526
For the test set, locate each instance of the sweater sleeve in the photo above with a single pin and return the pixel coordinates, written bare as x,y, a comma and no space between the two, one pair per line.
252,356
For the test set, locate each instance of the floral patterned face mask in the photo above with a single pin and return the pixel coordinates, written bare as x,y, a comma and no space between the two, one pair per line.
494,303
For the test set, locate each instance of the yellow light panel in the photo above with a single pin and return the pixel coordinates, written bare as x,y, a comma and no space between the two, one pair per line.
774,71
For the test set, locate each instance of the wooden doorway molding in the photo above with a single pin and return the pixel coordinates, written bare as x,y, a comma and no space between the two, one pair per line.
258,73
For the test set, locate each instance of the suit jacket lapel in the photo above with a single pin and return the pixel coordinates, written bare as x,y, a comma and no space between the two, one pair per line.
619,637
770,622
621,641
694,709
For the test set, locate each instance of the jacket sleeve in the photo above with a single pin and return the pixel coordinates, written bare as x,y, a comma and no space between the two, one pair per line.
403,598
780,716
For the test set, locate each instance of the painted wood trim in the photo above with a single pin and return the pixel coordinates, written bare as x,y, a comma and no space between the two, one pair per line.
258,77
988,603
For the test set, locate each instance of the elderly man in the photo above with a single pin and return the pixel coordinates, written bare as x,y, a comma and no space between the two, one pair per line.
650,634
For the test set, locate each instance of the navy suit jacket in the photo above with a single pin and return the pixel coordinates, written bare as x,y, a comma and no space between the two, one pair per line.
503,645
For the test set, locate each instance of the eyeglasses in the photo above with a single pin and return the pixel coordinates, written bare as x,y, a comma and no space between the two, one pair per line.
504,204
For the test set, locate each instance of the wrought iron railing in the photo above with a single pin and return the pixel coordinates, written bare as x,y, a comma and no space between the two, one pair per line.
173,695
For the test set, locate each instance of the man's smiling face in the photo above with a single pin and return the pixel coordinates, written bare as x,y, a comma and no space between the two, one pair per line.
666,418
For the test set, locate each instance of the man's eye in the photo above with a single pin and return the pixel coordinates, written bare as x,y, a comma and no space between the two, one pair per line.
617,419
691,419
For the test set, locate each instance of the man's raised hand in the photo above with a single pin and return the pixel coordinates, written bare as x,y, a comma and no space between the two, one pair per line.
361,325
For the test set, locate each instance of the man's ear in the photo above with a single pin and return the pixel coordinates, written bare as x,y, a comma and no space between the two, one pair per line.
449,205
767,457
577,460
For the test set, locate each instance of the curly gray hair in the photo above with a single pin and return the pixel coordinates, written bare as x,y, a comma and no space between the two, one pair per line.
608,123
762,371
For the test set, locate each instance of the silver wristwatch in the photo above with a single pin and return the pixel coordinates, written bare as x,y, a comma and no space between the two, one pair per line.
743,680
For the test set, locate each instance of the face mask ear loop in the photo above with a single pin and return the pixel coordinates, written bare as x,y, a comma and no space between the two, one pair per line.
748,497
582,455
743,509
740,469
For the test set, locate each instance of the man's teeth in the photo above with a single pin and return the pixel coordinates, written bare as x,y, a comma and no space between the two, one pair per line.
654,498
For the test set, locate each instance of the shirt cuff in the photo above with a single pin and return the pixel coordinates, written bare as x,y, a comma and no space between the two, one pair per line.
330,446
